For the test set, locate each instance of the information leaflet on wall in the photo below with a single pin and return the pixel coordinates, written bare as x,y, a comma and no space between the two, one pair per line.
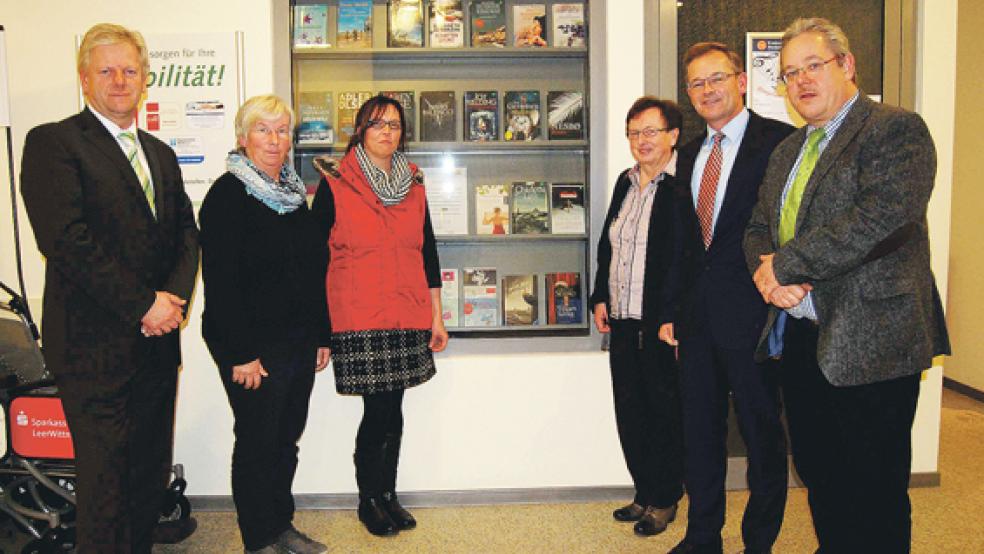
447,199
765,95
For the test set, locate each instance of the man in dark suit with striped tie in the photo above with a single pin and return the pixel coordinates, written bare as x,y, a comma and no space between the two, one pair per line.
717,313
109,212
839,246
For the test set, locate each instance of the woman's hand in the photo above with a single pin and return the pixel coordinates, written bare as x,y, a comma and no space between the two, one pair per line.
249,375
324,354
439,336
601,317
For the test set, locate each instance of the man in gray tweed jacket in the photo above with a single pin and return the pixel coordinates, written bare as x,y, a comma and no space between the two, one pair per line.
838,245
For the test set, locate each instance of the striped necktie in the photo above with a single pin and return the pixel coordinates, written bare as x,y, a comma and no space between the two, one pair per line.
130,144
790,209
708,190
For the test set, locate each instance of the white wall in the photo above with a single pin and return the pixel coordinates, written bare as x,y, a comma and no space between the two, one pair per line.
493,421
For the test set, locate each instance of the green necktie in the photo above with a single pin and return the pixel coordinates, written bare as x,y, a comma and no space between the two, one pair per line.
787,217
130,143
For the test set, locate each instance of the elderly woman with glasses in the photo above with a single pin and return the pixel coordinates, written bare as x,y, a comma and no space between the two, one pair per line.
265,317
384,295
634,253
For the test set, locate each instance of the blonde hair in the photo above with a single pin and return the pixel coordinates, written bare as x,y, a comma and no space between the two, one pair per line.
265,106
103,34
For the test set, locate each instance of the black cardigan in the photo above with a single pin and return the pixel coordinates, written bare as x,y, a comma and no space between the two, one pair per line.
659,251
264,274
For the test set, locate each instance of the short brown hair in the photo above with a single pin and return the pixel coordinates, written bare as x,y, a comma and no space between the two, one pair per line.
102,34
702,48
667,108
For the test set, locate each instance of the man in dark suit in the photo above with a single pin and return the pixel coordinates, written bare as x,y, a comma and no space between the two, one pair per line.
718,314
839,245
110,214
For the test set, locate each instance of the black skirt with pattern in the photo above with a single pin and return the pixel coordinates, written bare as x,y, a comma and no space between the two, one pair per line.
367,362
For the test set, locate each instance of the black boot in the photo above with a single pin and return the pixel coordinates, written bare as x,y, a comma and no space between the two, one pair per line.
391,459
368,469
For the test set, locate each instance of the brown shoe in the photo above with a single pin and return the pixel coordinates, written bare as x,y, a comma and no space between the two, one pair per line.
654,520
629,512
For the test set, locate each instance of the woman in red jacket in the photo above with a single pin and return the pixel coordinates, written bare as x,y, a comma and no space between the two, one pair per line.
384,295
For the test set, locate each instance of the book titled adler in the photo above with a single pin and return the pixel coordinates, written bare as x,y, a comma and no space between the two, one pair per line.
406,24
481,116
480,306
521,115
354,24
565,115
488,23
437,116
405,98
564,303
530,206
348,106
447,24
520,301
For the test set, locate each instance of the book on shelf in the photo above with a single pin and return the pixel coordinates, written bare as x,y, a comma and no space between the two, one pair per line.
406,99
492,209
406,24
354,24
564,303
521,115
480,297
565,115
481,115
314,111
437,115
520,300
529,25
447,199
530,207
567,208
449,297
488,23
311,26
349,103
446,23
568,25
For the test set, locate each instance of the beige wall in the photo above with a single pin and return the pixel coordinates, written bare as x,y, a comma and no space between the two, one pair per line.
966,303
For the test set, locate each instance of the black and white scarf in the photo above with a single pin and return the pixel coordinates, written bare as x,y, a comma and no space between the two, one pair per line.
391,188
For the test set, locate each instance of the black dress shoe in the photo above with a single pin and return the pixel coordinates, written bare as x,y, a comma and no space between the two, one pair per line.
374,517
654,520
401,517
629,512
686,547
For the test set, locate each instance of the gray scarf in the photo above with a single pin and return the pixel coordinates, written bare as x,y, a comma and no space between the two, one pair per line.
393,188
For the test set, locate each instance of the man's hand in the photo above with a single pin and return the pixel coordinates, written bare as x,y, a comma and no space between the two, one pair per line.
789,296
765,278
601,317
666,334
324,354
164,315
249,375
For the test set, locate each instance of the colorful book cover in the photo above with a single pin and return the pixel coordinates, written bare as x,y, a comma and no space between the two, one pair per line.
354,24
449,297
564,302
529,25
437,116
314,111
311,26
406,24
481,116
348,106
447,24
405,98
492,209
521,115
480,307
520,301
568,25
530,201
488,23
567,208
565,115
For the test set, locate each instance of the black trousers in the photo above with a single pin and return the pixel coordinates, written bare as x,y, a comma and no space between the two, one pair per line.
852,448
708,372
269,422
645,385
122,429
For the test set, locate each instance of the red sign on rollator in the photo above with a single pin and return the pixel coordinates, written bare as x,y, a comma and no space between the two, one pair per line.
38,428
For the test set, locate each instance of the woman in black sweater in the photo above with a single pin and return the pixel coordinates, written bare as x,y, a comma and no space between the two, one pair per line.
266,318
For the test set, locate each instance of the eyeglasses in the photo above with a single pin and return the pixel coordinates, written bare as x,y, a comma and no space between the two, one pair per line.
810,70
714,79
378,124
648,132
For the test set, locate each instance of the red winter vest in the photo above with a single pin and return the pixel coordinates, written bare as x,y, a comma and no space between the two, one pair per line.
376,274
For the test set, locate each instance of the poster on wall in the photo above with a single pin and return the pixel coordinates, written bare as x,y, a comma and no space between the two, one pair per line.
4,89
194,88
764,95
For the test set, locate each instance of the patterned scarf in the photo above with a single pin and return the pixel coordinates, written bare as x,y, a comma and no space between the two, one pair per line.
283,196
393,188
